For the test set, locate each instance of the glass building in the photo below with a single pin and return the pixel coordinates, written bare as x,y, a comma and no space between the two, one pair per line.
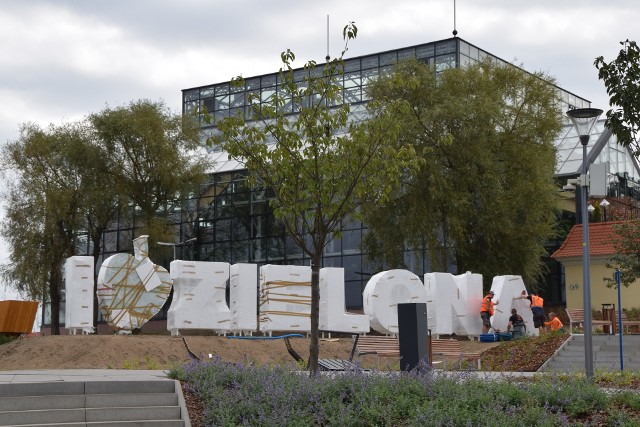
235,223
232,222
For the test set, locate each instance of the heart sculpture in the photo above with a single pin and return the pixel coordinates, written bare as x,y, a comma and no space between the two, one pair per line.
132,289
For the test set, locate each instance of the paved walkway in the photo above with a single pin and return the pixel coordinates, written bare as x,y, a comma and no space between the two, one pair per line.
79,375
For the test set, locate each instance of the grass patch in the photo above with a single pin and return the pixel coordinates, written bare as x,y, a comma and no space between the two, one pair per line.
148,363
4,338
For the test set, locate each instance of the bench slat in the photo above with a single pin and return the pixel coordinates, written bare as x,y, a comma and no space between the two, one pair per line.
383,346
451,348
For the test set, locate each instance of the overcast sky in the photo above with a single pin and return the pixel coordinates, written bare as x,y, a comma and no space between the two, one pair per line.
63,59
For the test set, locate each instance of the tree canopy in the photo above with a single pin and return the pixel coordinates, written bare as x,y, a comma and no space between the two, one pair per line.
158,158
484,198
626,241
320,166
621,77
76,178
43,208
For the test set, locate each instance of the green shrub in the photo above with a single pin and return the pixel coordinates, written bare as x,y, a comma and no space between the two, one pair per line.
236,394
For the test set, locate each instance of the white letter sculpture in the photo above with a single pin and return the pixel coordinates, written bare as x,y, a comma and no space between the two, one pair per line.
454,303
243,298
333,316
199,300
507,288
384,292
131,290
285,298
78,308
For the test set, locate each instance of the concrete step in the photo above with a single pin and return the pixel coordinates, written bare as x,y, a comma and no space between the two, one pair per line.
18,418
568,359
131,400
133,414
41,389
98,403
631,350
568,367
89,401
151,423
606,354
75,415
24,403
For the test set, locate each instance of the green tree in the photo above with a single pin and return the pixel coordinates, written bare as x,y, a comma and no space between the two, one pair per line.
319,166
75,178
626,241
156,158
622,80
484,196
101,203
43,213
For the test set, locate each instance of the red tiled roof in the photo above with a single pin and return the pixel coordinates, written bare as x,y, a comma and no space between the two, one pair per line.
600,241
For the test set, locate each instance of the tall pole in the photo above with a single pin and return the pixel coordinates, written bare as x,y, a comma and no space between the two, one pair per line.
617,276
583,119
586,280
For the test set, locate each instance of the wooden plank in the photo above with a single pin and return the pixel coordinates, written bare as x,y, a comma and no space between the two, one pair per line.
452,348
17,317
379,345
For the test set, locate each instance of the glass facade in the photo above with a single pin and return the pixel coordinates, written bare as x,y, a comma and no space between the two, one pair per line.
234,223
224,99
603,147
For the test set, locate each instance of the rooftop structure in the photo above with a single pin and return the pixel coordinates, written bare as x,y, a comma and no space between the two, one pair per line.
223,99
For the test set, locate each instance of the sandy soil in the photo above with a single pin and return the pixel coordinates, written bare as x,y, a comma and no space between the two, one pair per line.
150,352
163,351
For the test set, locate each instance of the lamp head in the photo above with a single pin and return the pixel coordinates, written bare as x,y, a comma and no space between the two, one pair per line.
583,119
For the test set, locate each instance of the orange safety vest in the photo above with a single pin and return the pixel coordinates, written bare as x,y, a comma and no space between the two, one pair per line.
536,301
487,305
555,324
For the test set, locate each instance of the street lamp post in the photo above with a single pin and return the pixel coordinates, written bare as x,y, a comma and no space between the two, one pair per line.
583,119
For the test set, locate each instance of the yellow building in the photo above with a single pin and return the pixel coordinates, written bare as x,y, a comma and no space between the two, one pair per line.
601,249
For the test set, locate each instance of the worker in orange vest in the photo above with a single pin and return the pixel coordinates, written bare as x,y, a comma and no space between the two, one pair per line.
486,311
537,308
555,323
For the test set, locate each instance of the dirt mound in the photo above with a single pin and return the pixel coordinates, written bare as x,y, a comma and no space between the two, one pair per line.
151,352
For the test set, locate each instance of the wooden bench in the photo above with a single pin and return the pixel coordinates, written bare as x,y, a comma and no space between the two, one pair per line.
626,323
576,317
451,348
381,346
388,346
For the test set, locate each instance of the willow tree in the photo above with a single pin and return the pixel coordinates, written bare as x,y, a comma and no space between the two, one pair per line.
320,166
43,213
156,159
484,198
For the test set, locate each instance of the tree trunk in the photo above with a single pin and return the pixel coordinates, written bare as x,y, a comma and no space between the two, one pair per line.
54,296
314,343
97,240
